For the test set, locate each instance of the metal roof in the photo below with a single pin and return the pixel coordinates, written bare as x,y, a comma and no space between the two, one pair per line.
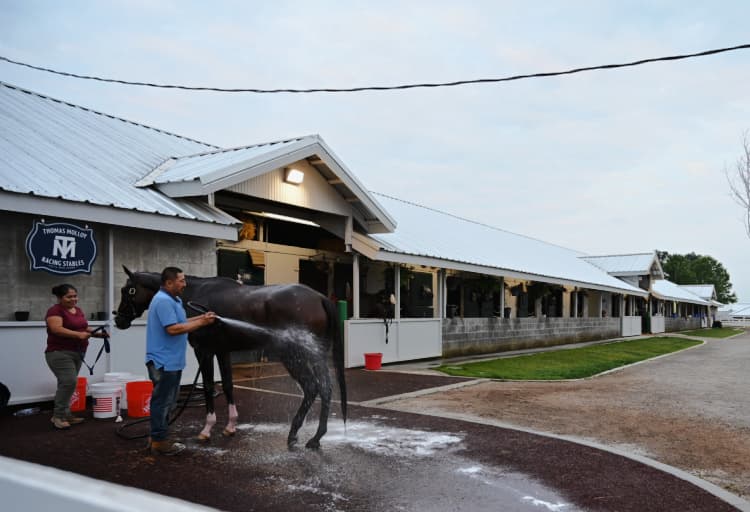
204,166
207,172
667,290
637,264
53,149
704,291
737,309
437,238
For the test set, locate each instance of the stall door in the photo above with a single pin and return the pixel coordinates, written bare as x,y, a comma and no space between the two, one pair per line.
282,268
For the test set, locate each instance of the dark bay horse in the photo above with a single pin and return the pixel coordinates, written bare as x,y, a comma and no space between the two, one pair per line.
293,321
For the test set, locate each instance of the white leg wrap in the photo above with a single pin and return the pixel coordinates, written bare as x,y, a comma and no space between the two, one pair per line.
231,427
210,422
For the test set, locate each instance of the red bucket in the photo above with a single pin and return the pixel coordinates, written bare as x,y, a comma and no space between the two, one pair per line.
139,398
78,400
373,360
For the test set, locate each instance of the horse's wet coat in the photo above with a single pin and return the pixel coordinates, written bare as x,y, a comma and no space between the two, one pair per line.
292,321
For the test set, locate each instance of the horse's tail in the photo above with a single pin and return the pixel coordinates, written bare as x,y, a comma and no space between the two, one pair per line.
336,336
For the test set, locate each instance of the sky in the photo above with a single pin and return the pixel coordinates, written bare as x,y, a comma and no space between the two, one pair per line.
605,162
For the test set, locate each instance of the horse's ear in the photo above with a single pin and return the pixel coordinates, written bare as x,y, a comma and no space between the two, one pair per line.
127,271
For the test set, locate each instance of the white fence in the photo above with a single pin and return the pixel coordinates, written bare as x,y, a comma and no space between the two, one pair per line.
25,372
631,326
408,339
739,322
657,324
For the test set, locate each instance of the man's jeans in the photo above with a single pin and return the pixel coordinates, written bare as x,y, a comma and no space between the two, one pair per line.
163,399
65,364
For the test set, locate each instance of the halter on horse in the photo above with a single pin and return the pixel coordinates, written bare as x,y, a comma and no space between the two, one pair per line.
264,314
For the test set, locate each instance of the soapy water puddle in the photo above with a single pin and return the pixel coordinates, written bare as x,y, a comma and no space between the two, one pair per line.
368,465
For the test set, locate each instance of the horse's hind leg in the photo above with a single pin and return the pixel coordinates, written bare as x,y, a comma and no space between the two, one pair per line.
206,361
324,380
309,397
225,367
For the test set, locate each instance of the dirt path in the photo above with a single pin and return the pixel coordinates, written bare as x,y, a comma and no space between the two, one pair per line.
690,410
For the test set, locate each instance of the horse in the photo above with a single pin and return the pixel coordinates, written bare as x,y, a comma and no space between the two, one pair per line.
293,320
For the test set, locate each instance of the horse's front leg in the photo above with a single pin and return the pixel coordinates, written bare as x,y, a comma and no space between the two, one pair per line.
205,359
225,367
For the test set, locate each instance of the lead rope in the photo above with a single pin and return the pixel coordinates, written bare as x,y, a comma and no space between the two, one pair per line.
105,346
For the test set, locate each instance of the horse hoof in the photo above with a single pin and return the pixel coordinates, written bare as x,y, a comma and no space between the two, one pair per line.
312,444
204,438
228,433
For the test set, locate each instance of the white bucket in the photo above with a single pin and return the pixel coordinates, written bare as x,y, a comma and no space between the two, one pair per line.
106,397
121,378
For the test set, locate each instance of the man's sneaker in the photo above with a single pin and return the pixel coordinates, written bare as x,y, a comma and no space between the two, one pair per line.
166,447
59,423
74,420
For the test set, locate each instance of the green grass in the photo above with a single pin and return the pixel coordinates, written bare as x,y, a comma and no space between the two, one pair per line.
570,364
723,332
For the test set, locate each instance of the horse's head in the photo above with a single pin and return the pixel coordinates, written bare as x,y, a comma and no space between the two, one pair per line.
135,297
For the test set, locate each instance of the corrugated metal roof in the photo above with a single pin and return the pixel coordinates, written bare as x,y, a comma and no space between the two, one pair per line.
54,149
624,264
667,290
704,291
206,172
426,232
737,309
197,166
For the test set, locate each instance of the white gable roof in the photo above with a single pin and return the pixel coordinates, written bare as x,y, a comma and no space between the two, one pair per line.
621,265
704,291
737,309
667,290
431,237
209,171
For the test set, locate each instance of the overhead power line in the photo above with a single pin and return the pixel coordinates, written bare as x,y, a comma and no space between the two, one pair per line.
385,87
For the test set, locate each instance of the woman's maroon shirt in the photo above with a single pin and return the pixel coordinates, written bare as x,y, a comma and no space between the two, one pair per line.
73,321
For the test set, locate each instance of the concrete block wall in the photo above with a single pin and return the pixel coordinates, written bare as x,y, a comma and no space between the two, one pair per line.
681,324
24,290
148,251
470,336
138,249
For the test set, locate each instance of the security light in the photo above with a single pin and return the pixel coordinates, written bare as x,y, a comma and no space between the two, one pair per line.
294,176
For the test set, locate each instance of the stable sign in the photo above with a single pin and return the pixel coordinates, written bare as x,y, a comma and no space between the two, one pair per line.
61,248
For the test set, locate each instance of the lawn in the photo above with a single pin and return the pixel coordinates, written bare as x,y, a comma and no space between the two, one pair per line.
723,332
570,364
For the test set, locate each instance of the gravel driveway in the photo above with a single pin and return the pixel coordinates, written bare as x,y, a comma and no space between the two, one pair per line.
690,410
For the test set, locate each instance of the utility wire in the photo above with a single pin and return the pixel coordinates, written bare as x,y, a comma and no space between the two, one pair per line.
387,87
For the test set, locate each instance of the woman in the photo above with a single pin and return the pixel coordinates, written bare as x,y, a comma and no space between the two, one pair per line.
68,335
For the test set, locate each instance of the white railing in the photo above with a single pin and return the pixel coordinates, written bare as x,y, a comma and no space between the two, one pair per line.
736,322
27,486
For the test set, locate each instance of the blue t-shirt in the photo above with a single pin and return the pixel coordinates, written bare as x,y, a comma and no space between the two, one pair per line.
162,348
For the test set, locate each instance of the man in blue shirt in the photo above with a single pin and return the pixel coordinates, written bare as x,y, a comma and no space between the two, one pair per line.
166,344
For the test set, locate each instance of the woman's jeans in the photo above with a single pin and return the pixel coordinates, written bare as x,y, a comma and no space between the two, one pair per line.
163,399
65,364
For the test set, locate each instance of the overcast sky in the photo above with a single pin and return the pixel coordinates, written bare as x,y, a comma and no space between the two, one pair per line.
605,162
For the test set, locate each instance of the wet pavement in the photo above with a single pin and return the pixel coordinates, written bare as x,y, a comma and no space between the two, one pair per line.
379,461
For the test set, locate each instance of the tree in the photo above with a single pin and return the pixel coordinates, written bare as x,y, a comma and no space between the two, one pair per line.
739,181
698,269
